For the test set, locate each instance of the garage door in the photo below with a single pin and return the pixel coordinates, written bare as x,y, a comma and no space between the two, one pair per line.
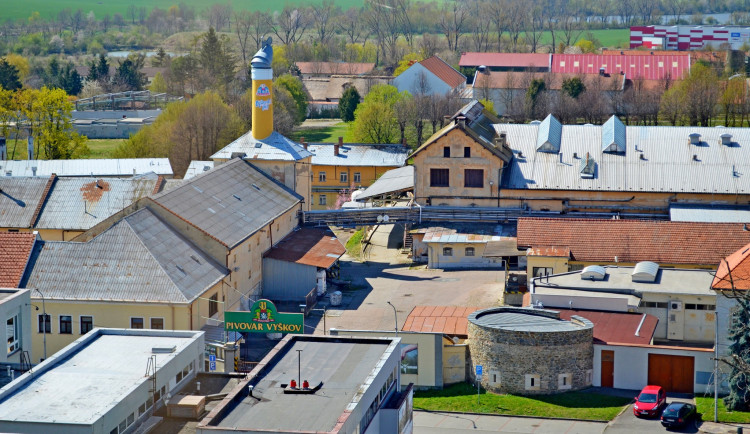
673,373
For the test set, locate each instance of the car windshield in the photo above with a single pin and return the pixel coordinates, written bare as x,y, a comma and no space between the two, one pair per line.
647,398
671,411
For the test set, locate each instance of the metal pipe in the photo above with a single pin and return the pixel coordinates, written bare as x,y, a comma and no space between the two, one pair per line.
395,316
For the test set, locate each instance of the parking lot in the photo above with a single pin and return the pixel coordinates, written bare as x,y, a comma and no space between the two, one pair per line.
626,422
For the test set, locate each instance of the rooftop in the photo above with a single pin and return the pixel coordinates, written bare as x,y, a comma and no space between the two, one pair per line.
448,320
444,71
631,241
465,233
358,154
505,60
734,272
707,213
198,167
345,366
120,167
140,258
656,67
332,88
617,327
230,202
85,380
391,182
14,255
343,68
21,199
308,246
525,320
273,147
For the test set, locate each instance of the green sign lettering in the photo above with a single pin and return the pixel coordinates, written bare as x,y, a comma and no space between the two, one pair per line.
264,318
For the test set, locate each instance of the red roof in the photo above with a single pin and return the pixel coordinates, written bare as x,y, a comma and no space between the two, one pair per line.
308,246
505,60
654,67
737,276
449,320
15,249
330,68
616,327
444,71
663,242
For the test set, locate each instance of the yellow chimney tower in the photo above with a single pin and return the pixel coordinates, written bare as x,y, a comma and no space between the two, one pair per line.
262,75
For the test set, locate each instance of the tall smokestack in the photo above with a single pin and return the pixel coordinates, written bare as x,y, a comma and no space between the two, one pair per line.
262,75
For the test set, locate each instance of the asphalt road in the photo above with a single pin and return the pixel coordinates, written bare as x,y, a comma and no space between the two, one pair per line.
626,422
445,423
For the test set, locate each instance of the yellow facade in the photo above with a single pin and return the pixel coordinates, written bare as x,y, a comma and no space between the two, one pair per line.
262,111
58,234
329,181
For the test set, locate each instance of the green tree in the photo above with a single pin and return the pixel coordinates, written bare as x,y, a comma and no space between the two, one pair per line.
375,118
408,60
348,103
9,78
128,75
488,105
217,60
533,93
52,127
62,76
573,87
99,70
739,357
158,84
700,92
295,88
586,46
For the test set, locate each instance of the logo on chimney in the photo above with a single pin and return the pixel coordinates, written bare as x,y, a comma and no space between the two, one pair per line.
263,91
263,104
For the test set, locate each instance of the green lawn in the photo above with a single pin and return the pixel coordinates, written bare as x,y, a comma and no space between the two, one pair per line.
706,409
575,405
608,37
324,134
102,148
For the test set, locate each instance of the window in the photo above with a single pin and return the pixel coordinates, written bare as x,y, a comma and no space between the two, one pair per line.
157,323
532,382
136,323
131,419
344,177
12,332
66,324
213,305
447,251
357,177
447,152
467,152
322,176
474,178
45,323
564,381
87,323
178,377
439,177
322,200
114,431
123,425
141,409
542,271
469,251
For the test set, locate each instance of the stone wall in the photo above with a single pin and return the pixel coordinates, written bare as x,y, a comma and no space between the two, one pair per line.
533,363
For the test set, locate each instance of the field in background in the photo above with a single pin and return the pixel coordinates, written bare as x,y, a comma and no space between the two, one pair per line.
102,148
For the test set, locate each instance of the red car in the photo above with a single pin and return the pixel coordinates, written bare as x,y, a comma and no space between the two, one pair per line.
650,401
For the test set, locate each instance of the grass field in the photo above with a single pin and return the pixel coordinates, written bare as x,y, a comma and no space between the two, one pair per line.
576,405
706,409
607,37
102,148
321,134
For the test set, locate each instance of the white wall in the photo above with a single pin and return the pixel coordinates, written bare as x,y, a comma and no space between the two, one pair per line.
409,81
18,304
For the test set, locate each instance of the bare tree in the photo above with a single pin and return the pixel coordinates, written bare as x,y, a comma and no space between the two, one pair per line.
251,27
626,10
350,24
323,15
290,24
570,25
454,20
384,24
480,22
550,14
534,27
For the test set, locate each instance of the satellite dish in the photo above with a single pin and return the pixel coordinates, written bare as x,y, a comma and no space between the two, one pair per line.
380,218
386,218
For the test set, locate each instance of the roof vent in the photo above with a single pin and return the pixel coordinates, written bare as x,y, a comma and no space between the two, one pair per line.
587,167
535,122
726,139
238,155
206,168
163,350
256,187
695,139
549,135
645,272
593,272
613,136
695,157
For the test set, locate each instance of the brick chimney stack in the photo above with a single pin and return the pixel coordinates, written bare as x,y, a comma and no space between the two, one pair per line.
337,146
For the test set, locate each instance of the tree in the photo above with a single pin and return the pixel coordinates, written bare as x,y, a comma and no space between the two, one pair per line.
454,23
322,17
295,88
375,118
700,94
408,60
739,350
99,71
533,93
63,77
671,105
158,84
52,127
21,64
290,24
9,78
217,61
285,111
348,103
128,75
573,87
161,59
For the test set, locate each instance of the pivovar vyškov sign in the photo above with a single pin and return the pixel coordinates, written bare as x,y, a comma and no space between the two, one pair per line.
263,318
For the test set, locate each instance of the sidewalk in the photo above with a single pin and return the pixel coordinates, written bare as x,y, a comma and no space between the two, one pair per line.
435,422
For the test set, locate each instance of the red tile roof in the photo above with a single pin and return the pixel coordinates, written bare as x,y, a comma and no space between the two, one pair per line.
505,60
737,276
449,320
342,68
15,249
308,246
654,67
616,327
444,71
663,242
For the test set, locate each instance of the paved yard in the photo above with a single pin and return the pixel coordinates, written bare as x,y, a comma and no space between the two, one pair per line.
445,423
628,423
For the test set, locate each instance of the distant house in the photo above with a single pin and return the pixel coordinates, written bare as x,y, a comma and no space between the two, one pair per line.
325,93
527,62
328,69
432,76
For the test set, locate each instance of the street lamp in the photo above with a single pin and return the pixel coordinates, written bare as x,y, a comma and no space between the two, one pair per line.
395,316
44,327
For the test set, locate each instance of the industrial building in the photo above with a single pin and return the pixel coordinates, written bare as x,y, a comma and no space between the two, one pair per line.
688,37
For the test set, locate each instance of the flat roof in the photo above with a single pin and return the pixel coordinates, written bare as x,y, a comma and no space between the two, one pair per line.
631,300
524,320
308,246
708,213
449,320
82,382
344,365
668,280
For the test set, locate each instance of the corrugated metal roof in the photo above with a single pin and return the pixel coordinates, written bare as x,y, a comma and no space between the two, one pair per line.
198,167
81,203
523,320
308,246
505,60
119,167
656,67
549,135
19,198
141,258
667,163
706,213
392,181
273,147
444,71
614,135
15,250
358,154
230,202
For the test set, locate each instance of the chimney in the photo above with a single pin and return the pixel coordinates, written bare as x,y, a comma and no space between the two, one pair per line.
461,121
33,170
503,139
726,139
262,76
304,143
30,149
3,149
337,146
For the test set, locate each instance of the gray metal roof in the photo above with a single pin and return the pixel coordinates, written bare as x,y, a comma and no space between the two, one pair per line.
525,320
614,136
95,167
19,198
549,135
230,202
81,203
667,163
392,181
358,154
81,386
273,147
141,258
704,213
197,167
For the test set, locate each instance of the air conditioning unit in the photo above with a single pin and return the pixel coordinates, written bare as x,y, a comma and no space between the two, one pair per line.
675,306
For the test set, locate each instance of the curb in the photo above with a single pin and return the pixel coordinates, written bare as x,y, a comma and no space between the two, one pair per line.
523,416
624,409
